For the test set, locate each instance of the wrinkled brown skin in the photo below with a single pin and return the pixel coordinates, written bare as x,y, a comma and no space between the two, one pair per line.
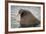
27,19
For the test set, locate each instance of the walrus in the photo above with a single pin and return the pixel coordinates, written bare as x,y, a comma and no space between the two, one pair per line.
28,19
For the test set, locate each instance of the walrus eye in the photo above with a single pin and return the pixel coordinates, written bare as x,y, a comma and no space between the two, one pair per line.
22,14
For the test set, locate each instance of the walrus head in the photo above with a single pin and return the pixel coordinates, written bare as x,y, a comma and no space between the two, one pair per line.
23,12
27,19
